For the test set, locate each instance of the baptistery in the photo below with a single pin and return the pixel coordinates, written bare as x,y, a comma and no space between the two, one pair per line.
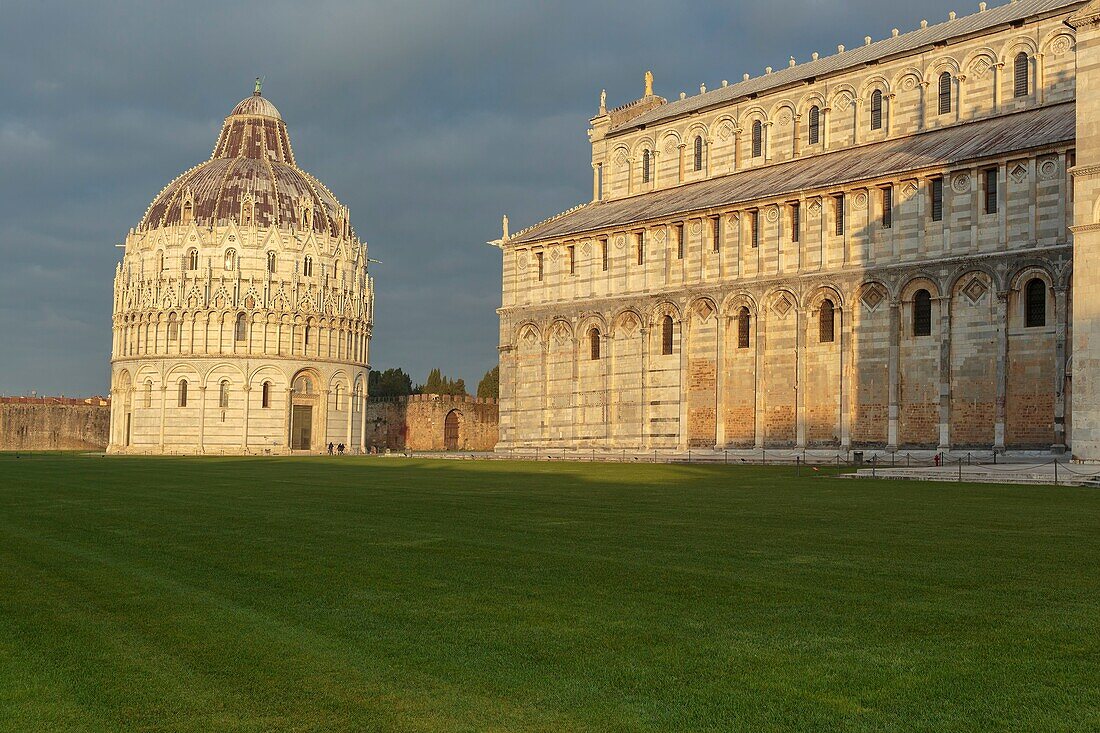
243,307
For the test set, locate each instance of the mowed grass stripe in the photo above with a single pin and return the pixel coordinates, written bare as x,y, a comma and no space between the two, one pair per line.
389,594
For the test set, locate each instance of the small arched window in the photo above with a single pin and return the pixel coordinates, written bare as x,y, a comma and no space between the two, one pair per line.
223,394
160,262
646,163
265,395
744,321
339,396
945,93
187,213
193,260
815,125
922,313
240,330
148,392
825,322
307,266
230,260
1036,294
271,262
594,343
309,328
182,401
1021,75
666,335
757,139
876,110
173,327
698,152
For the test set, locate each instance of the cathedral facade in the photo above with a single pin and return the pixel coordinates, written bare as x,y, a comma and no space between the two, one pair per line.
874,248
242,307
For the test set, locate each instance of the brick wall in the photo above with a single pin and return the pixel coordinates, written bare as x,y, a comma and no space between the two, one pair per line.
54,424
418,423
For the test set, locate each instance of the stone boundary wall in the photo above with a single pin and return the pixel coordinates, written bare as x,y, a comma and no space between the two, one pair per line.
54,423
419,422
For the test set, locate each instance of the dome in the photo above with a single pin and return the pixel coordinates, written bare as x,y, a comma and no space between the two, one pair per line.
253,164
256,104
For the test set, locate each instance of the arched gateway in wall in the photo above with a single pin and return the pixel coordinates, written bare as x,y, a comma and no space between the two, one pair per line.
243,308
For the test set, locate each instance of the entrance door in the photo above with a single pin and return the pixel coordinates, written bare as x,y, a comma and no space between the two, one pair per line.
450,431
302,433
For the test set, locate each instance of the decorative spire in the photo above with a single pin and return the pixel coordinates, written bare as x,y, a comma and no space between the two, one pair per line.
649,84
259,85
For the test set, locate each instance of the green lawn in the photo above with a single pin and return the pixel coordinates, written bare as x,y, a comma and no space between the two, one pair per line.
144,594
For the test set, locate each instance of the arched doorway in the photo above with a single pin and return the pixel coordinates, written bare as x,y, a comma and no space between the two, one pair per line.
304,399
451,425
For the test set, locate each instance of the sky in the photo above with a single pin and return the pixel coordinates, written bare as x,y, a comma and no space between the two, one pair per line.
428,119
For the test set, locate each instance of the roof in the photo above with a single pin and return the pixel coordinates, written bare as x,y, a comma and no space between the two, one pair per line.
901,44
256,105
253,157
987,138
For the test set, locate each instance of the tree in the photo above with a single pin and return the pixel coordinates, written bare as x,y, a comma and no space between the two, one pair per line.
390,383
439,384
489,386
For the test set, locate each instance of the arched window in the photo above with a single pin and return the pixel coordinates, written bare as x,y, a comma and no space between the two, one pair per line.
271,262
223,394
876,110
1021,72
744,321
825,330
265,395
148,392
193,260
646,162
160,262
173,327
339,398
945,93
230,260
309,328
666,335
1036,294
594,343
307,266
182,401
922,313
757,139
187,213
815,125
240,330
698,152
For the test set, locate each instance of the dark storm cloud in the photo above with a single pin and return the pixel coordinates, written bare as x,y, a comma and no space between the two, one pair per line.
428,119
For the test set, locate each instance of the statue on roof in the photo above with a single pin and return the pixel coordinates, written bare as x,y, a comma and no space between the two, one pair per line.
649,83
603,102
259,84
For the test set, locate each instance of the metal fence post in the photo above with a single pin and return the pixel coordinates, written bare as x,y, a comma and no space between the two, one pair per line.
798,466
1055,472
960,470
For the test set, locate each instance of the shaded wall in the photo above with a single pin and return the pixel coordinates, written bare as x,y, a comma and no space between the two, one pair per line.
46,424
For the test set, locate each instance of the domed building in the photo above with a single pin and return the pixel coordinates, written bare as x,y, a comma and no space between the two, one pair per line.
242,307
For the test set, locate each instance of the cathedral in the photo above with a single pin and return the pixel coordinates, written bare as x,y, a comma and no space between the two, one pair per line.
875,248
242,307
